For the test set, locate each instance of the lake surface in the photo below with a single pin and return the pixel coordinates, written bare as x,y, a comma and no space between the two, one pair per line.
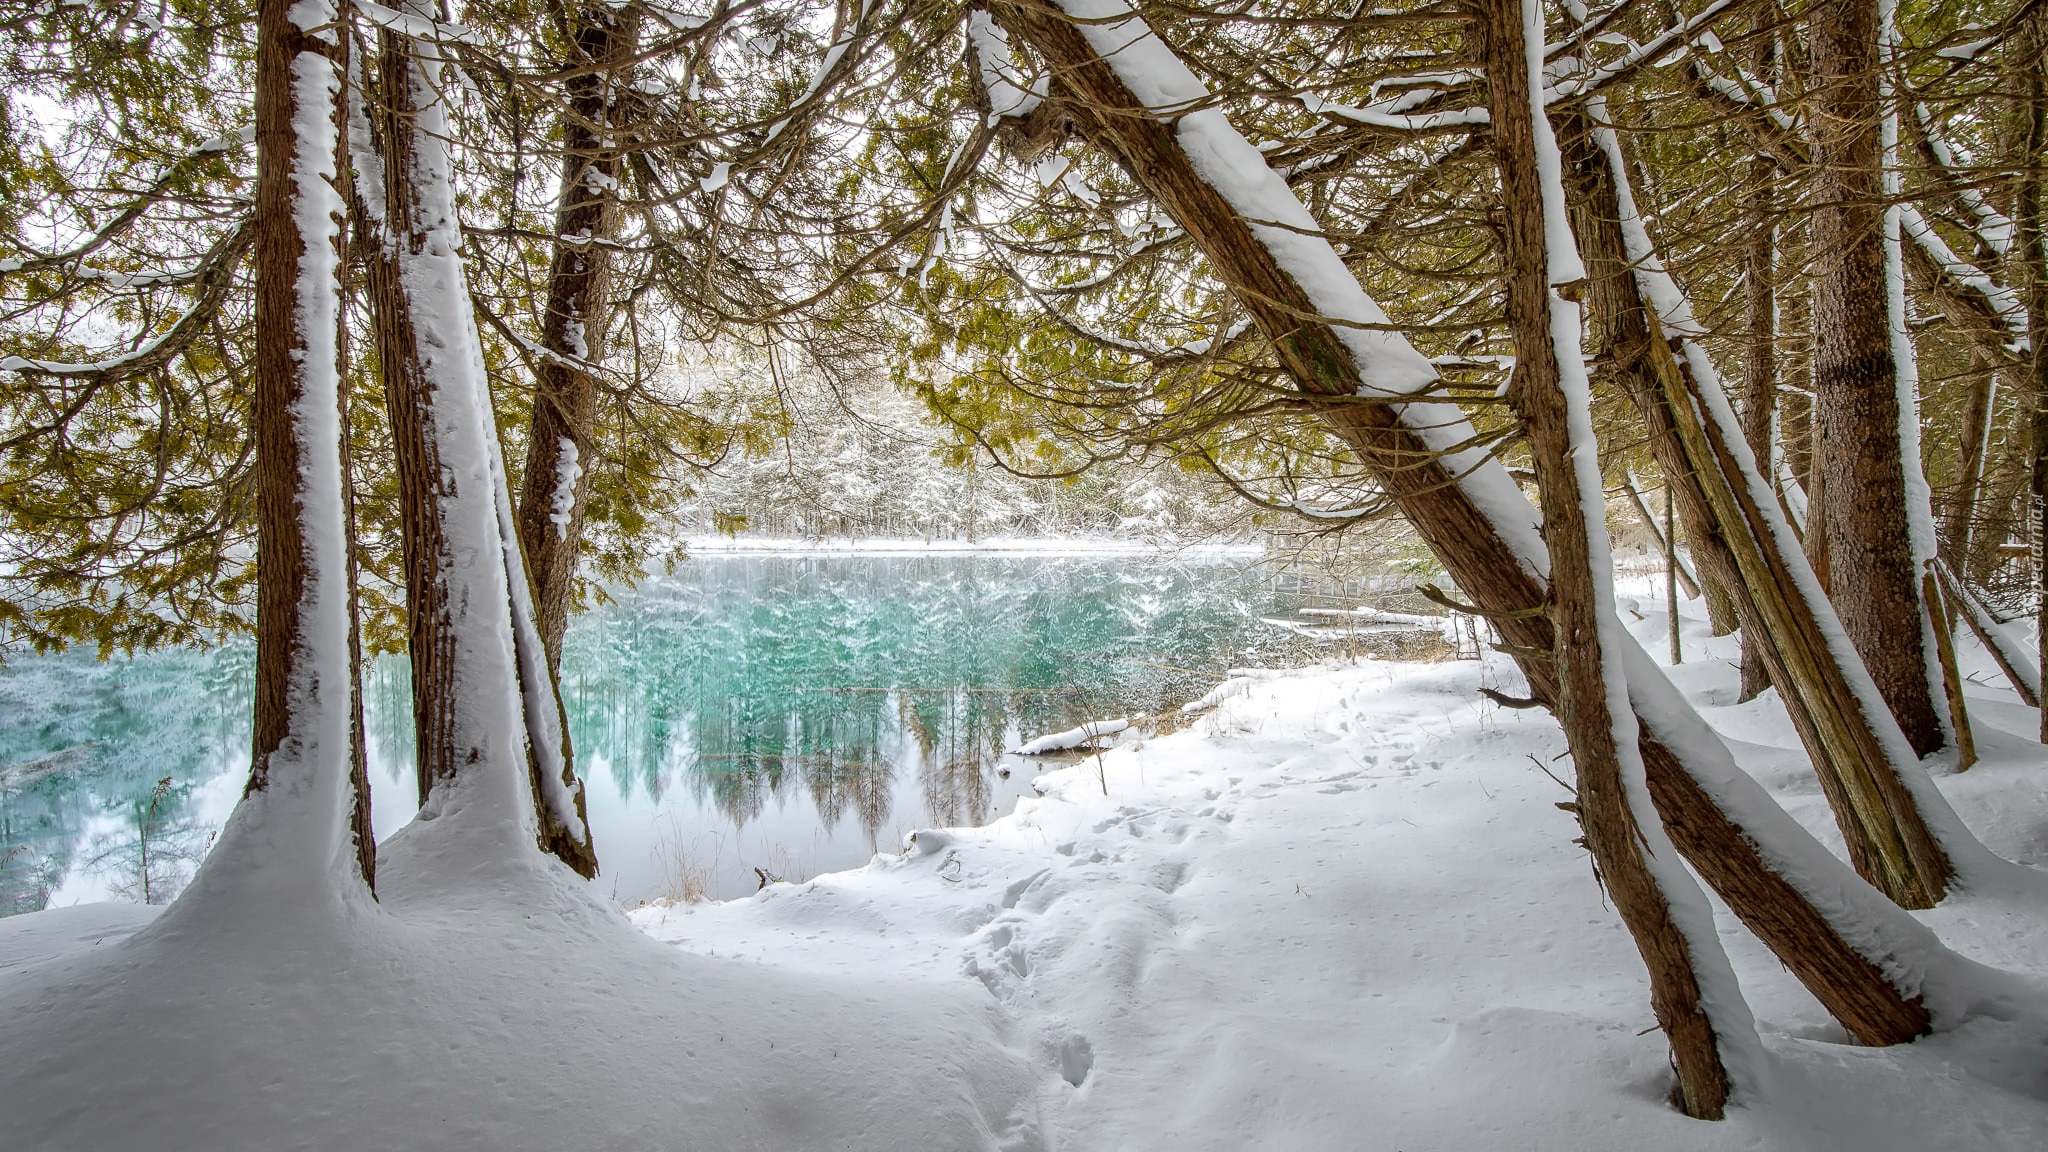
793,714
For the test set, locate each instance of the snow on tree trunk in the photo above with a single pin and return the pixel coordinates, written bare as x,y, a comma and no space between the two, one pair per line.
1872,535
1919,498
556,485
483,699
1692,985
287,848
1901,832
1861,956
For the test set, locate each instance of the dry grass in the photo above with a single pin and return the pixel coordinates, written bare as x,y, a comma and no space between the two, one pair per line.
685,874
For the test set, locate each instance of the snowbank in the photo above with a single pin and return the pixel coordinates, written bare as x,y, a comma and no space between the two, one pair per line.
479,1008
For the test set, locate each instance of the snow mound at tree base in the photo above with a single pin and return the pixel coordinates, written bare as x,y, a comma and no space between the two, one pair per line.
466,1019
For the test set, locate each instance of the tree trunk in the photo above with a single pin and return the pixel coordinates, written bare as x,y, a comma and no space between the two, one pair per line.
1797,437
1760,364
561,445
1887,836
1959,520
288,843
1592,691
430,627
482,702
360,826
1872,577
1826,957
1680,570
2030,213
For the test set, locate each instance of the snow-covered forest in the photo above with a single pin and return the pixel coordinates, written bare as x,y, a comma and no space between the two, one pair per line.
1674,376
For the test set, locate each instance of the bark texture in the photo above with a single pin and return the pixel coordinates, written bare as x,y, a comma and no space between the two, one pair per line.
1584,707
430,630
1871,574
561,444
1889,842
1760,362
1960,516
439,620
282,346
2031,216
1846,981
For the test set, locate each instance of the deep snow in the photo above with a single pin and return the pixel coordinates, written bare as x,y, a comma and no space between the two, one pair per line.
1338,911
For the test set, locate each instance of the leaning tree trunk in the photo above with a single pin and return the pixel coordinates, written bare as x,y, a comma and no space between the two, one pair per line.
1551,396
562,441
484,703
1855,747
1872,577
287,850
1477,523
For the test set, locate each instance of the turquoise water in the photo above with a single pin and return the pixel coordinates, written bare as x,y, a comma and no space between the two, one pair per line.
792,714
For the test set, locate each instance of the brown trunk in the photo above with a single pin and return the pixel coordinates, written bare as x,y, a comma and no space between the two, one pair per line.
1797,437
1951,674
1484,566
1795,375
1722,616
1816,540
430,633
1584,707
282,345
360,829
1959,519
573,329
1760,364
2030,213
1888,841
1871,575
429,492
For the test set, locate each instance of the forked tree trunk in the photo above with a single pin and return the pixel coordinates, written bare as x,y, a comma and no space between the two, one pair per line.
483,699
1592,688
1859,769
1475,547
1872,577
562,443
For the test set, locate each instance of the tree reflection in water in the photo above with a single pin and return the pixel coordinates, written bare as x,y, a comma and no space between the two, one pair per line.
835,700
748,677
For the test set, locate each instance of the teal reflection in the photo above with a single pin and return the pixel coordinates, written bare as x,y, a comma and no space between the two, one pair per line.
748,678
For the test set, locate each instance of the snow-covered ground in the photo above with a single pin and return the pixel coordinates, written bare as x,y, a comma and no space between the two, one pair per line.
1339,911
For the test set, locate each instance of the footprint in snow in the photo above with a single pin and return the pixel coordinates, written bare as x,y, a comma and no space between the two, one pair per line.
1077,1059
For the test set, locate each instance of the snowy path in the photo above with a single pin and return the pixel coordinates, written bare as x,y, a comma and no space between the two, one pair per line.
1342,911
